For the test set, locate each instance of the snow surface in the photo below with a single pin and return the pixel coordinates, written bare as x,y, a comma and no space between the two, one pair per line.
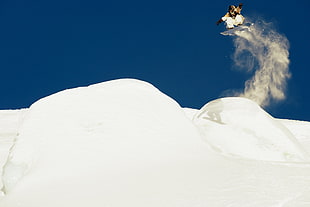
9,123
124,143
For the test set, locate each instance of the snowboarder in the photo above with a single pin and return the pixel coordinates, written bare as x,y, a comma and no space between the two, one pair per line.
233,17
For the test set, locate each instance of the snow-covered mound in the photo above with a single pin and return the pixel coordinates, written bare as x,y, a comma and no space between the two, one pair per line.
239,127
124,143
93,133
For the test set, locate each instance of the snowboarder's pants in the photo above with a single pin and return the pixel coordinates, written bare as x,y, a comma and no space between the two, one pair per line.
239,19
229,22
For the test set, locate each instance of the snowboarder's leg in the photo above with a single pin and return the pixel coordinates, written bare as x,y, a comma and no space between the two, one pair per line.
239,19
229,23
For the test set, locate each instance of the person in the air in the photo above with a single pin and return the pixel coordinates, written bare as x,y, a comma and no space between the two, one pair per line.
233,17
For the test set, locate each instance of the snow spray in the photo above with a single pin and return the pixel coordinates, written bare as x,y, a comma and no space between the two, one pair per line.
264,51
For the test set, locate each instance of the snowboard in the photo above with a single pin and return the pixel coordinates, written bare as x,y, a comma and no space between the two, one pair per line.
237,30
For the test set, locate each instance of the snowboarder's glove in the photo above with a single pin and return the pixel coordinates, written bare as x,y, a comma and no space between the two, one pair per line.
219,21
240,5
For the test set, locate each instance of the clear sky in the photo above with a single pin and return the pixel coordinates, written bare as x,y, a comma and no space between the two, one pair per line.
49,46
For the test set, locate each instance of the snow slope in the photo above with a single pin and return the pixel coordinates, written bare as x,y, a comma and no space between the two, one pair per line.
9,124
124,143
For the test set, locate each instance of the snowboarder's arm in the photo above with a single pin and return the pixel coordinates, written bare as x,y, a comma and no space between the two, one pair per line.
239,8
223,18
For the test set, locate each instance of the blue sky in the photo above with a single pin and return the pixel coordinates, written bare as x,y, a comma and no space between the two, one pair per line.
49,46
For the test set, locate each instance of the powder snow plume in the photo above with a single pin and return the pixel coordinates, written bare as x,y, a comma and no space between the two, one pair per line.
263,50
